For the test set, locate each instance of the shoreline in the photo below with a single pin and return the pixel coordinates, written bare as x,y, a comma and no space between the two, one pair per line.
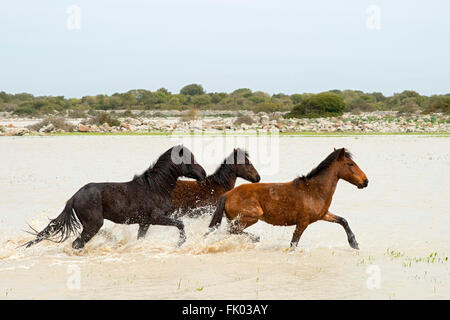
371,123
263,134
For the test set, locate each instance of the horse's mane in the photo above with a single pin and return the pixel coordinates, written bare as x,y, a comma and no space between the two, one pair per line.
323,165
162,175
224,172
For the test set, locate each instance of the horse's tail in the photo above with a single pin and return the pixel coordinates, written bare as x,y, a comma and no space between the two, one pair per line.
218,214
60,228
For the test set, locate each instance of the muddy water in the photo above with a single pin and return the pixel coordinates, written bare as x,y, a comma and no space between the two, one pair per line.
401,219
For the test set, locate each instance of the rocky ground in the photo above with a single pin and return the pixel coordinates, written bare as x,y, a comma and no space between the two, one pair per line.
242,122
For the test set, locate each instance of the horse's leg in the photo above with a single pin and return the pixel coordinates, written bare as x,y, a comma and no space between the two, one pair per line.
301,226
336,219
237,227
91,218
143,228
163,220
245,219
88,232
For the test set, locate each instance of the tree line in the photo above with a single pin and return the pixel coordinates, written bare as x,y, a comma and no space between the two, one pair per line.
193,96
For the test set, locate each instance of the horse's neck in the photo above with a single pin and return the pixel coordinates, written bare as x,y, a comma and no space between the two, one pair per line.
166,179
218,178
325,184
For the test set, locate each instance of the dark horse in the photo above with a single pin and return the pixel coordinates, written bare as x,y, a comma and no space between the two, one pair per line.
300,202
192,194
144,200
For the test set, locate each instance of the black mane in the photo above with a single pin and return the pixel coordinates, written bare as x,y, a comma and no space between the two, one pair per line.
224,173
162,175
323,165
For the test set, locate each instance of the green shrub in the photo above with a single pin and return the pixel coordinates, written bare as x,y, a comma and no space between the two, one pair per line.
192,90
325,104
440,105
267,107
126,114
409,108
103,117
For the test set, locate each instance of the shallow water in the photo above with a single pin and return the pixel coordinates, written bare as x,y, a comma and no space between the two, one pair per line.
399,220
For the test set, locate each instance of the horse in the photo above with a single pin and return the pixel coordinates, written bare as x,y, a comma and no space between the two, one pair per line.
300,202
189,195
144,200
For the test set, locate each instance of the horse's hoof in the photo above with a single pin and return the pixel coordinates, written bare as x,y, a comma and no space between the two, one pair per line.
181,241
77,245
354,245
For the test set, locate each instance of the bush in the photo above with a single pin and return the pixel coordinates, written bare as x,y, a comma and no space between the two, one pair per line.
201,100
325,104
58,123
409,108
192,90
192,114
243,119
441,105
104,117
296,98
127,114
77,113
267,107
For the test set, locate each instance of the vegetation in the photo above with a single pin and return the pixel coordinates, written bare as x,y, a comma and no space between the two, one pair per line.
325,104
243,119
101,118
55,122
193,96
190,115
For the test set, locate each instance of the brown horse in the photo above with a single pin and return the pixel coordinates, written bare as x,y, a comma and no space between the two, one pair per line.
189,195
300,202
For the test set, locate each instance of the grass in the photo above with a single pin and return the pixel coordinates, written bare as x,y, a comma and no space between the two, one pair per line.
408,261
287,134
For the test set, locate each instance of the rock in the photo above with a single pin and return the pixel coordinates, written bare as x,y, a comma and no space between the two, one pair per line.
84,128
12,131
105,127
264,119
125,126
48,128
133,121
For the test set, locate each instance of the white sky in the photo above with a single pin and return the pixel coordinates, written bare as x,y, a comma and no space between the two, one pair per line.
274,46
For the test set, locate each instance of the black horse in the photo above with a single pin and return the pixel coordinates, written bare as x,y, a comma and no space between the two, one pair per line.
144,200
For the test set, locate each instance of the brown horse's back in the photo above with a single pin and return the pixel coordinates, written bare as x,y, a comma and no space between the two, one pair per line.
193,194
270,202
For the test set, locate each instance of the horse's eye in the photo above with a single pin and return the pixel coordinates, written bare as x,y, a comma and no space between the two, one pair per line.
350,164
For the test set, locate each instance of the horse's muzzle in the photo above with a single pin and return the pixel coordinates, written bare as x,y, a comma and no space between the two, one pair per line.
256,179
364,184
202,176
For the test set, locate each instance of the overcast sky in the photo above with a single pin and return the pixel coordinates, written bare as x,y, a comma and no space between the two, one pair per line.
274,46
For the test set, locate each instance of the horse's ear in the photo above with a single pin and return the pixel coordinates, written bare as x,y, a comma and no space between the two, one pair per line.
334,149
341,155
181,150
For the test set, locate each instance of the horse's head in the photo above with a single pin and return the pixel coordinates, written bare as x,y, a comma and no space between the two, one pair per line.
243,166
349,170
185,159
